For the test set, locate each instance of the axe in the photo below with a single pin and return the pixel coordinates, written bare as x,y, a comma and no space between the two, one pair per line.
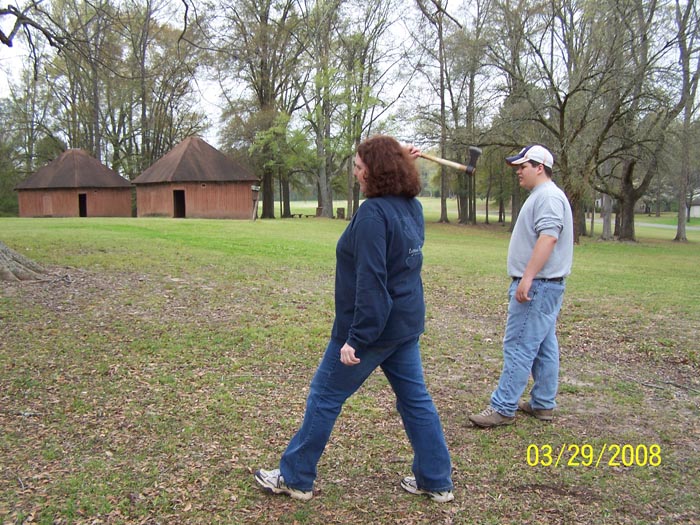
474,153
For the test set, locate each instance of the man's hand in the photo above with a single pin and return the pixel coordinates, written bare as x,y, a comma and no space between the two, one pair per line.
522,293
347,356
543,249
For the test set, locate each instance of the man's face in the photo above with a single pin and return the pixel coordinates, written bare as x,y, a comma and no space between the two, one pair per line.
528,175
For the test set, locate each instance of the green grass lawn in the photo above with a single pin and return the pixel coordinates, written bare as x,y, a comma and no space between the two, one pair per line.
164,360
431,207
667,218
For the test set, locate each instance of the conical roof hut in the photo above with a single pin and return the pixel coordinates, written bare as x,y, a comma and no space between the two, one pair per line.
74,184
194,179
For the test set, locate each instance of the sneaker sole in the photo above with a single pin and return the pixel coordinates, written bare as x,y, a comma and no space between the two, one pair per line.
276,490
420,492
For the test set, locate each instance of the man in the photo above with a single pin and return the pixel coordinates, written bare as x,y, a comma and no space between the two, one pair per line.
539,259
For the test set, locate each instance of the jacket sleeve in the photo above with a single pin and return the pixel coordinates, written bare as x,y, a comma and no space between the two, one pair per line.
372,300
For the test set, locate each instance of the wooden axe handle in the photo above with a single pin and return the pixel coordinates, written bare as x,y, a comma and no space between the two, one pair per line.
444,162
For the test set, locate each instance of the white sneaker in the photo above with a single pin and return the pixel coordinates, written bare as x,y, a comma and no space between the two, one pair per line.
273,481
409,485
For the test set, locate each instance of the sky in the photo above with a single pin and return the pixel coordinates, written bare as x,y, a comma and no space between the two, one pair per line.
10,64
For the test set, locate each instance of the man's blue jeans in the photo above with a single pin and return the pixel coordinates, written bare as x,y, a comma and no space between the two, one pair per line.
334,383
530,346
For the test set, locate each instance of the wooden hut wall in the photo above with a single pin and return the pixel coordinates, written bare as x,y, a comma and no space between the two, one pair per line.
99,202
152,200
206,200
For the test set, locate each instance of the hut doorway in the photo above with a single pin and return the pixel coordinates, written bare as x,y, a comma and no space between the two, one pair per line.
82,204
179,204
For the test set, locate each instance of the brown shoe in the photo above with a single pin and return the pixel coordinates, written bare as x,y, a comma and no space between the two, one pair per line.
490,418
543,414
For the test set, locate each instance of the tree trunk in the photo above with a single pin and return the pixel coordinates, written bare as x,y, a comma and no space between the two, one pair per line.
463,207
592,215
514,206
606,213
351,183
657,212
626,215
268,194
578,212
681,235
287,208
683,204
16,267
443,194
628,197
325,192
355,198
488,196
443,121
472,198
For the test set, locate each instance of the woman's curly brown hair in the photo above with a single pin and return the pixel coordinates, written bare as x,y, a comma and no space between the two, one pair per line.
390,168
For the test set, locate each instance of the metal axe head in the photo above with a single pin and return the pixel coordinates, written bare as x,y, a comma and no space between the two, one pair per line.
474,154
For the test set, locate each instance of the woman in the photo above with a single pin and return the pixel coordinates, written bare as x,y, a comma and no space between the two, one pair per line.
379,316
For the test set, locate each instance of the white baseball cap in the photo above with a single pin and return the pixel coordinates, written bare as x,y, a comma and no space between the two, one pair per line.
535,153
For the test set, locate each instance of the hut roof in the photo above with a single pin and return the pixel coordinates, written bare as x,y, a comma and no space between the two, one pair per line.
73,168
193,160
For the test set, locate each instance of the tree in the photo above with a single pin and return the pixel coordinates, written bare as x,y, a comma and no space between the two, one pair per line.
9,174
29,19
321,26
554,76
650,111
688,26
466,52
29,113
513,126
595,95
435,13
258,45
84,65
91,95
496,181
371,79
290,156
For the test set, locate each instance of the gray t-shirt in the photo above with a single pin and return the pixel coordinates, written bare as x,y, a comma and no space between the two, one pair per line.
545,212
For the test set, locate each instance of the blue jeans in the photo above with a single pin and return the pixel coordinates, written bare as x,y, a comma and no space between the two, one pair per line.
530,346
334,382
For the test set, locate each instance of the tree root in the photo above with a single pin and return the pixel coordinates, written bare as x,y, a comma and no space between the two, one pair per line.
16,267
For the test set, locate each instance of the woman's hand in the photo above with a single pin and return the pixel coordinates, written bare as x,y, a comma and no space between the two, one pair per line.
347,355
413,151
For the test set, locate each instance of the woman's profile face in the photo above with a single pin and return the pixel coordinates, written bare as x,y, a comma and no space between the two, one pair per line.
360,172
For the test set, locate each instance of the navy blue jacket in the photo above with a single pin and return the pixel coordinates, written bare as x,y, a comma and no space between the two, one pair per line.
378,287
